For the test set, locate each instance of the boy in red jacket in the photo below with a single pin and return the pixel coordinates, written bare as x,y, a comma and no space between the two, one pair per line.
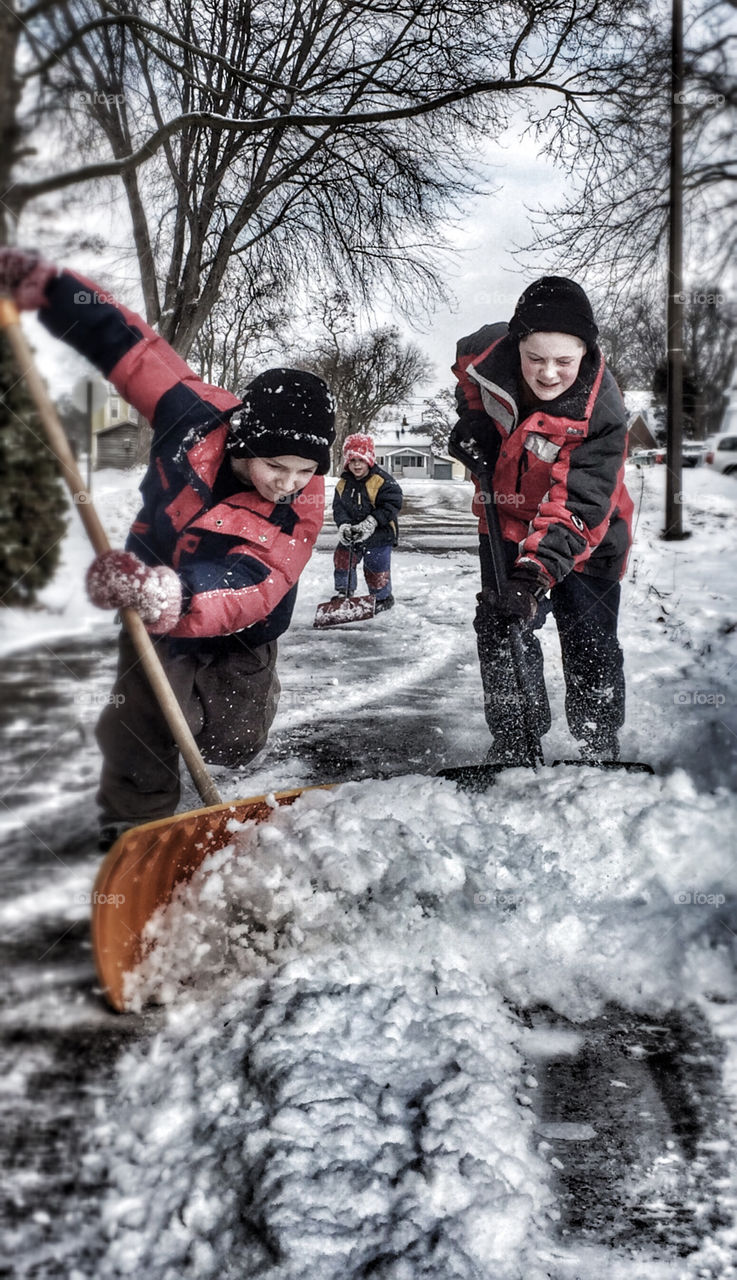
233,500
536,399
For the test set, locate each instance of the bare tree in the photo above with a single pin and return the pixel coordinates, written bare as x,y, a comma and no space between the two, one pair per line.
633,339
291,133
614,223
365,372
439,416
248,322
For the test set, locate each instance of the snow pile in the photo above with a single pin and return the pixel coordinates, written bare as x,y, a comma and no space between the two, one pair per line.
342,1092
540,881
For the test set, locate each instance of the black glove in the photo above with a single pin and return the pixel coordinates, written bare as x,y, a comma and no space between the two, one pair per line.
471,441
521,597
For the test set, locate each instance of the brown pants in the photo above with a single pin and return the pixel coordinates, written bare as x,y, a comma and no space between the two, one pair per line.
229,701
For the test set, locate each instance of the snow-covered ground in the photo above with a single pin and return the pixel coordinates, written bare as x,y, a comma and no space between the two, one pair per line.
344,1080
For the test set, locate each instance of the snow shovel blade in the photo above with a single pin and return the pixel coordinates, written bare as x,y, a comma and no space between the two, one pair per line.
342,609
631,766
477,777
142,871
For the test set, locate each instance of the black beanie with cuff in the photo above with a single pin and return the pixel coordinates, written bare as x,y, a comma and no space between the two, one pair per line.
284,412
554,304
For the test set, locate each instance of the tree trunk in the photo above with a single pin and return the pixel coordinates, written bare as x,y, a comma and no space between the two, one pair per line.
10,133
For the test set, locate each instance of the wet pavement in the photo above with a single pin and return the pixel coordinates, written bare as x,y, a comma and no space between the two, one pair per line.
632,1120
59,1042
642,1184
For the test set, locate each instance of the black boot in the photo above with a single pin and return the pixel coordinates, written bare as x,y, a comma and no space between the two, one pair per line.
599,748
512,755
111,831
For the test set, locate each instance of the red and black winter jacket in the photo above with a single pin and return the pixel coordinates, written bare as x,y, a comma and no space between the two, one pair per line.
238,556
377,494
558,469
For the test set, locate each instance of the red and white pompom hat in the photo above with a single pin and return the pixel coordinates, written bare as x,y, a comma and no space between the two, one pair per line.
358,446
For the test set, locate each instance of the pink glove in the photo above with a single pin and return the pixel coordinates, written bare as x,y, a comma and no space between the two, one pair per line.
119,580
24,277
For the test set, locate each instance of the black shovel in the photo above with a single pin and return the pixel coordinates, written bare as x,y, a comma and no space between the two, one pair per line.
478,777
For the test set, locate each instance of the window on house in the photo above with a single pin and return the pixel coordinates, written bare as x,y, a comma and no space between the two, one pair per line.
410,460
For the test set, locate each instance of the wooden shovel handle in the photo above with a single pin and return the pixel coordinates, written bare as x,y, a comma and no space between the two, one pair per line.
56,436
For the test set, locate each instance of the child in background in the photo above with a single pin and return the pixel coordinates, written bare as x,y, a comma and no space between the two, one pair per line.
233,500
366,504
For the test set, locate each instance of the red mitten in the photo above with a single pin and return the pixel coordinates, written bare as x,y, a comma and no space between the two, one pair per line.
119,580
24,277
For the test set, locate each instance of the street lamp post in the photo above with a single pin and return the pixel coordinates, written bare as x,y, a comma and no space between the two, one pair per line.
674,422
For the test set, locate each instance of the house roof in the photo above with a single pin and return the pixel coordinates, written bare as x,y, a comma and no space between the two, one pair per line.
392,441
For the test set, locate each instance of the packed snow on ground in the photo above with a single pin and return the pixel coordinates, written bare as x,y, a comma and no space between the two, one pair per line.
345,1084
339,1089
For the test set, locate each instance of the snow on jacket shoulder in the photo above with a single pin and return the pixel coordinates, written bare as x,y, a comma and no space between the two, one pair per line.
558,468
238,556
377,494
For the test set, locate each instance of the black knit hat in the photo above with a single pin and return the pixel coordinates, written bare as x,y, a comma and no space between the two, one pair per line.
284,411
554,304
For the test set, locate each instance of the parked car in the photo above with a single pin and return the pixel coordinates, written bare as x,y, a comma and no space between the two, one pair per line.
693,453
646,457
722,454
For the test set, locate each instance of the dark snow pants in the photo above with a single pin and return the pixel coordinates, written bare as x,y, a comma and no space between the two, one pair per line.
377,562
229,700
586,611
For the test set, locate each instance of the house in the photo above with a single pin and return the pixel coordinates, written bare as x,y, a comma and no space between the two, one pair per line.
408,455
639,435
116,445
117,438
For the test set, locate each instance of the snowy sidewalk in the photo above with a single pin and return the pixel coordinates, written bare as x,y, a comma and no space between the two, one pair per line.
376,992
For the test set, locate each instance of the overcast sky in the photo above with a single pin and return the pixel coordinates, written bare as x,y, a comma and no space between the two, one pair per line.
482,276
485,278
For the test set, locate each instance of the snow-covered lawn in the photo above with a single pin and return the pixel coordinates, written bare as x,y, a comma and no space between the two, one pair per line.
342,1085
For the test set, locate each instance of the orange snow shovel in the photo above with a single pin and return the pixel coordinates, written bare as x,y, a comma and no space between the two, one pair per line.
147,863
342,609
